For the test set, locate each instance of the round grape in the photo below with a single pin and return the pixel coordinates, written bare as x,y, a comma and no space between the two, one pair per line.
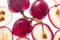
18,5
39,9
21,27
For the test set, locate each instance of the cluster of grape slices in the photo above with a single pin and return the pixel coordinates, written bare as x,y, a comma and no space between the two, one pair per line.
54,17
23,26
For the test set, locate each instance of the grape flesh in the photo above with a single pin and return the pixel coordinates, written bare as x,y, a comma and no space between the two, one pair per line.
18,5
21,27
39,9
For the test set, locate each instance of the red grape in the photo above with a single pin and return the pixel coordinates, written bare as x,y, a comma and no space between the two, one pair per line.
18,5
39,9
21,27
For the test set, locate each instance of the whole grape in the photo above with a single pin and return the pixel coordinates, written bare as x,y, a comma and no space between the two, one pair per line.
18,5
39,9
21,27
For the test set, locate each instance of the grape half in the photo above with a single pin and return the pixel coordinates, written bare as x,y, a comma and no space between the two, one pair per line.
18,5
21,27
39,9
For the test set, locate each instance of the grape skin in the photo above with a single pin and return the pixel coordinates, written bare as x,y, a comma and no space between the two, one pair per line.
18,5
21,27
39,9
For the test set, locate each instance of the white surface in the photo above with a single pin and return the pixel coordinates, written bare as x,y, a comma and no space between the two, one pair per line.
17,16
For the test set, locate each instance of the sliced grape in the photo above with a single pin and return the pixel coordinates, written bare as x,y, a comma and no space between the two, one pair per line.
57,1
5,16
40,32
5,34
57,35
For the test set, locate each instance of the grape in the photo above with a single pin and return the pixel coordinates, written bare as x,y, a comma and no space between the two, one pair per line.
5,15
5,33
18,5
21,27
39,9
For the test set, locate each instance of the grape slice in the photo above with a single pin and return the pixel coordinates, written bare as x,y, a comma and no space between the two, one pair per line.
57,35
37,32
5,34
5,16
54,16
57,1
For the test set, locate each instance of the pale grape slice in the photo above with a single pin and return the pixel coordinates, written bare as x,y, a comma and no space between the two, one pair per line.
37,32
53,17
7,16
5,34
57,1
57,35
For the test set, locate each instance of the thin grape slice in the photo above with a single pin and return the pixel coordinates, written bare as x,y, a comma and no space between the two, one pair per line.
5,16
54,16
37,32
57,1
57,35
5,33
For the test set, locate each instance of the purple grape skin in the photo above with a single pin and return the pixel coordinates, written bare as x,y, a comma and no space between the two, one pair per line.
18,5
39,9
21,27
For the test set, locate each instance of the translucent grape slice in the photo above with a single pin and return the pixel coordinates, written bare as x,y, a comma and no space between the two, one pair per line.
37,32
5,16
57,1
5,33
54,16
57,35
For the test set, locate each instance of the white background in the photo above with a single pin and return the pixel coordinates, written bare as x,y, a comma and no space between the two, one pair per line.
27,13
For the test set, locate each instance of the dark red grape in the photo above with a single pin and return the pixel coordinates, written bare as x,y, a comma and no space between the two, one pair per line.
39,9
21,27
18,5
